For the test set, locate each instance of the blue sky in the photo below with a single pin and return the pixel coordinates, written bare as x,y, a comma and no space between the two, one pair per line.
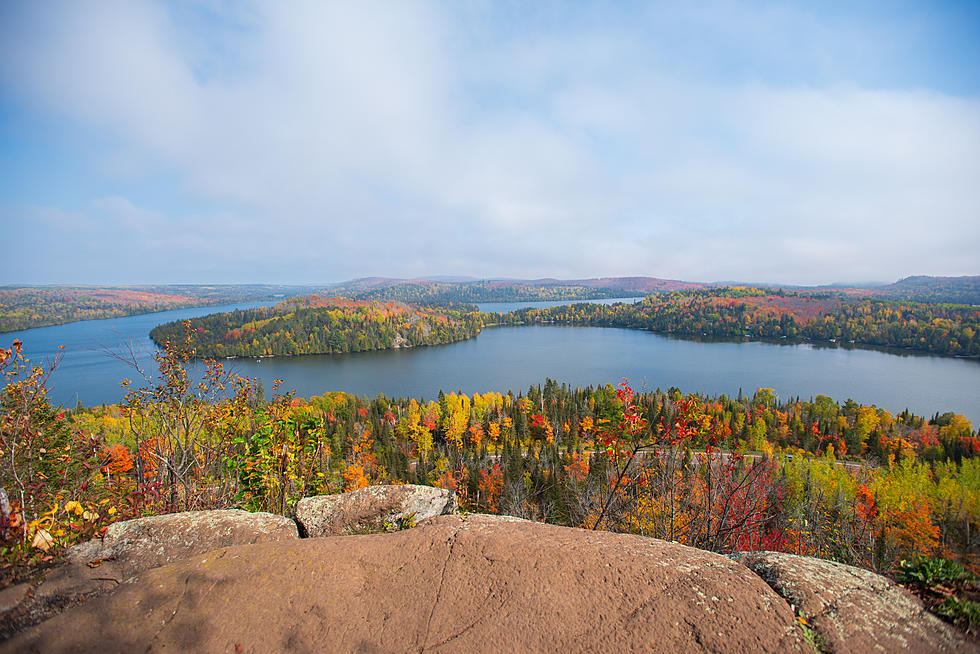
807,143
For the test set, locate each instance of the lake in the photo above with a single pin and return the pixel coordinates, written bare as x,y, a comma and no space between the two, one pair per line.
513,358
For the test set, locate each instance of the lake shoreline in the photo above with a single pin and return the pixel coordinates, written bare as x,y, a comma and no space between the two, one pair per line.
514,357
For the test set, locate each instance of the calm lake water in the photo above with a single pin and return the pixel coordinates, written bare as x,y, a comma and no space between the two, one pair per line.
515,357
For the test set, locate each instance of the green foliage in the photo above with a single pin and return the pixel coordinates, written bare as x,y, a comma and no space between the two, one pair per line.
925,572
945,586
963,613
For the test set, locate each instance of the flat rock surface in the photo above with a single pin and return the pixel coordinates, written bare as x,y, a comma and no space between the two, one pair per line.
133,546
368,509
454,584
854,610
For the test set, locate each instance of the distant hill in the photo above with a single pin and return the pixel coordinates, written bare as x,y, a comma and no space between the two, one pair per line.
922,288
957,290
640,285
24,307
369,283
443,289
740,312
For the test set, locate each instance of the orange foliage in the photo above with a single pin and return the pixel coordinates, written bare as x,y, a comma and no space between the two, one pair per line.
354,478
120,460
491,483
578,468
913,528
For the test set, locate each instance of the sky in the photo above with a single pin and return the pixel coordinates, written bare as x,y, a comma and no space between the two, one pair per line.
314,142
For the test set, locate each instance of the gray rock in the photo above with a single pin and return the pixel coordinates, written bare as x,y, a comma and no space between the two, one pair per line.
144,543
375,508
854,610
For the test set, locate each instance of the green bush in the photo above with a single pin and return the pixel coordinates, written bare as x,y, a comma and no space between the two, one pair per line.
964,613
924,572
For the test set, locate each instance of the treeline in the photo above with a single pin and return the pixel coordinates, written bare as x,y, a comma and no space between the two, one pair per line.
718,473
317,325
844,481
739,313
960,290
24,308
482,291
38,306
324,325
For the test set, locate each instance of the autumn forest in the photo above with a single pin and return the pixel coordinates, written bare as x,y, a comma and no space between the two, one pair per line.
316,325
817,476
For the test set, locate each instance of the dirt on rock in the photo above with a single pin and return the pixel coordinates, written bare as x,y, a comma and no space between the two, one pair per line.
454,584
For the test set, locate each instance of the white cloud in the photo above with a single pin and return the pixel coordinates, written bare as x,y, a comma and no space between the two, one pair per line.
317,142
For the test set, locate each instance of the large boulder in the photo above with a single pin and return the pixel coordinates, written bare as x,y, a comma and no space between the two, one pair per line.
372,509
854,610
131,547
454,584
144,543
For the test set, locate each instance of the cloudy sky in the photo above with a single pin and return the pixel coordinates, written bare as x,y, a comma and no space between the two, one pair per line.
277,141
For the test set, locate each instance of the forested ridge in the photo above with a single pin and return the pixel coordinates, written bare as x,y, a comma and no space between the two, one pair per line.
25,307
482,291
736,313
316,325
922,288
965,290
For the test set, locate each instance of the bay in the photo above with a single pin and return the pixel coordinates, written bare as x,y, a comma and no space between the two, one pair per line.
514,358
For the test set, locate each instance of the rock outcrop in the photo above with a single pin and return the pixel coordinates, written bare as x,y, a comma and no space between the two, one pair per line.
131,547
372,509
854,610
454,584
144,543
238,582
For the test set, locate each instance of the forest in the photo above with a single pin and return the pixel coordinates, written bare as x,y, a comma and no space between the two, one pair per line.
737,313
960,290
316,325
922,288
482,291
24,307
845,481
